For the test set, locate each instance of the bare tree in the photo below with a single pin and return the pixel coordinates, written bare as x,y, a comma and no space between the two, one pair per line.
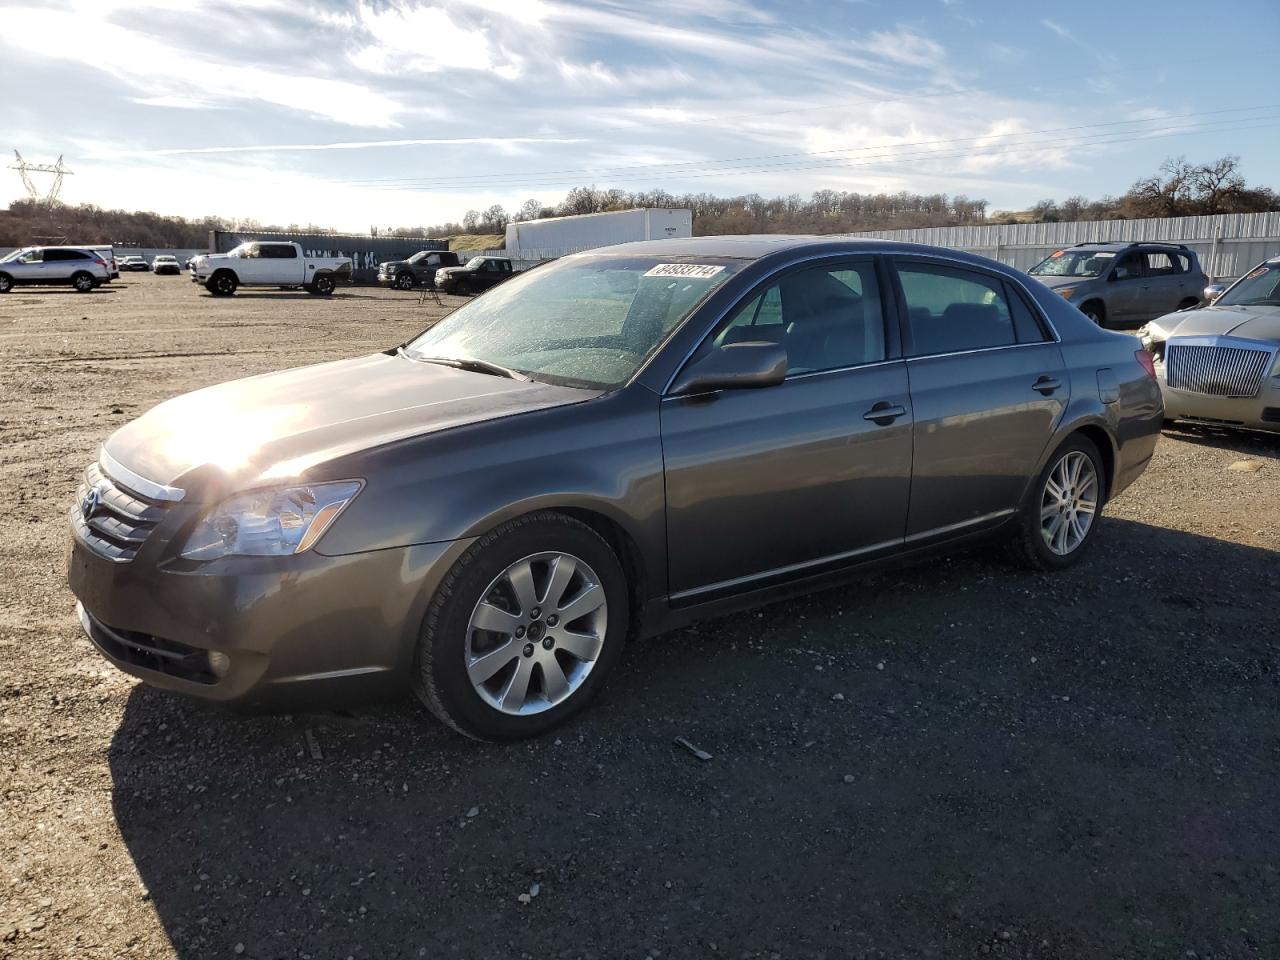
471,220
531,209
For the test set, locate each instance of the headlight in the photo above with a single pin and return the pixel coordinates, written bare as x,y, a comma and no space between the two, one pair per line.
269,523
1064,292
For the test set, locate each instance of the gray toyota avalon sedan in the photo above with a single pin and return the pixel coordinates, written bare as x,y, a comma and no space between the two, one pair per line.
605,446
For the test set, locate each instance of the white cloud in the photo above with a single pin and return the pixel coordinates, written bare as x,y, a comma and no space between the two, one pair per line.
165,70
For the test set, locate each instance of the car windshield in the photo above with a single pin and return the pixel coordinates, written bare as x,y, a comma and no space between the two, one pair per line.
582,321
1074,263
14,254
1259,287
419,256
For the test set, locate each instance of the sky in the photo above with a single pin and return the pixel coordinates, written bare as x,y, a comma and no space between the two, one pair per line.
370,113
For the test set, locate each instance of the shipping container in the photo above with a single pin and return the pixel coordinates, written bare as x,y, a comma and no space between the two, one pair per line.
365,253
560,236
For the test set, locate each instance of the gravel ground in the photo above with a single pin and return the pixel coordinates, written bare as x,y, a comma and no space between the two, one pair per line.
959,759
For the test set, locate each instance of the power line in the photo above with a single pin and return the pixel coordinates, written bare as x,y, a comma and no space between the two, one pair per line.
722,163
890,159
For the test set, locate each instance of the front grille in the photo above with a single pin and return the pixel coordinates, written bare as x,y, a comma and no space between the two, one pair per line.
112,521
1214,370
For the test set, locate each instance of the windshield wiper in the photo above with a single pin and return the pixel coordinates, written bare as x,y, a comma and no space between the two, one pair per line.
474,364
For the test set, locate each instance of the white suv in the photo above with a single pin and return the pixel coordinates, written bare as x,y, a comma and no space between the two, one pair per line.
81,268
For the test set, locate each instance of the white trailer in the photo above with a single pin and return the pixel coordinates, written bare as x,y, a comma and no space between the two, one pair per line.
560,236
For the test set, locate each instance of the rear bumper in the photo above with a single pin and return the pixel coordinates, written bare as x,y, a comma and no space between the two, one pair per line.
266,629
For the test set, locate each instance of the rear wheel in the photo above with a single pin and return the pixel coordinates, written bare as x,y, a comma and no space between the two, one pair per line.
221,284
82,281
404,281
6,283
322,285
523,629
1061,510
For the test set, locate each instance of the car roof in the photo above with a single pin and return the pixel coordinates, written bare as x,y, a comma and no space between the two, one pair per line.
1126,244
760,246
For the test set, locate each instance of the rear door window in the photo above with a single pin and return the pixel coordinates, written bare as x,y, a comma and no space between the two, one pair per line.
1159,264
950,310
279,251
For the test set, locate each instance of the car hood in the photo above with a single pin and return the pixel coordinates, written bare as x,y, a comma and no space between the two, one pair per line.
277,425
1250,323
392,264
1054,282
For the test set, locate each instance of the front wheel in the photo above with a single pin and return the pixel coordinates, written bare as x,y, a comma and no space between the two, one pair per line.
83,282
221,285
523,629
1096,313
322,285
404,281
1061,511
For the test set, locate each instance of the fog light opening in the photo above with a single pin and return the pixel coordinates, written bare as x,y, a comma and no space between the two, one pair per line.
219,663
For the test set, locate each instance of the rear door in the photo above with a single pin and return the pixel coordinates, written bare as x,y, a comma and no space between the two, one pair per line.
1167,285
776,482
60,264
281,263
988,386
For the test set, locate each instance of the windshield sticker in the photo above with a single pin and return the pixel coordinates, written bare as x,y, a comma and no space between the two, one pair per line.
1257,273
1055,255
697,271
1103,254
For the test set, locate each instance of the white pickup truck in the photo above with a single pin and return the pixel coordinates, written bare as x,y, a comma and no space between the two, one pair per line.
268,264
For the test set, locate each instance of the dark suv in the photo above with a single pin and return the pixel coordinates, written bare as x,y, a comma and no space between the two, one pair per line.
418,270
1124,284
480,273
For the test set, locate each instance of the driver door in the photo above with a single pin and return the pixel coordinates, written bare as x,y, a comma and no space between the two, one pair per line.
765,484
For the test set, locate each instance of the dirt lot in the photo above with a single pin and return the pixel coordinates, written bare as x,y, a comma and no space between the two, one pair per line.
956,760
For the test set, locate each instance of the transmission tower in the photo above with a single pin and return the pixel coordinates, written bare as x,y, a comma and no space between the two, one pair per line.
26,169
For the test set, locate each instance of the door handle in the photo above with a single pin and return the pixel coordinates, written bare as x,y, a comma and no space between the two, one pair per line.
884,413
1046,385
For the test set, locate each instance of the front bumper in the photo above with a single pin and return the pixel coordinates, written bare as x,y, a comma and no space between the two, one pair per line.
1259,412
257,629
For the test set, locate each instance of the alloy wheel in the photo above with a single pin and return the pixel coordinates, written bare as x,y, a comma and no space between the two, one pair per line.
83,282
1069,503
536,633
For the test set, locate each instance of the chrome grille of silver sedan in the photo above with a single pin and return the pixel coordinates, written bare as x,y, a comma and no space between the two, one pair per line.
1215,370
111,521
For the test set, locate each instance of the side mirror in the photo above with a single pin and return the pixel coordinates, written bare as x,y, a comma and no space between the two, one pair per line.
1213,291
735,366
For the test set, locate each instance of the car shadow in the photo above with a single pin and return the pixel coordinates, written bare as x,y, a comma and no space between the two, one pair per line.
959,754
289,295
1242,441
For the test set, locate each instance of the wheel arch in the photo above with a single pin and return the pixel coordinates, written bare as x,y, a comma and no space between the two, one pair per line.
1101,439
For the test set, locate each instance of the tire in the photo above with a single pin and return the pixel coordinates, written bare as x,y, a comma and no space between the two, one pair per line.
1031,544
222,284
83,281
6,283
1095,312
403,281
322,286
530,550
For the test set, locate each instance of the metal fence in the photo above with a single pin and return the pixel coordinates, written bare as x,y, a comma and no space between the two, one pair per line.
1227,244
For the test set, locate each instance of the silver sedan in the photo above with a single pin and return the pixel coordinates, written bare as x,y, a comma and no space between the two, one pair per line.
1220,365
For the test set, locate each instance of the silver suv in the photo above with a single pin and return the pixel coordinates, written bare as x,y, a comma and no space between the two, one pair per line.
81,268
1124,284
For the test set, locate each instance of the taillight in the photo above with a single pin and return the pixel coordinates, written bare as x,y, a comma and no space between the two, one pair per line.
1148,363
99,261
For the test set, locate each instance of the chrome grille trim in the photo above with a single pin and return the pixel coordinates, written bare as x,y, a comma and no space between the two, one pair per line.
135,481
1217,366
118,521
